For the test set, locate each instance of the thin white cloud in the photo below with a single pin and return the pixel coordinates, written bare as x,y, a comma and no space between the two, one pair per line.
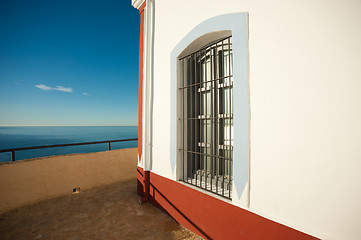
44,87
57,88
63,89
86,94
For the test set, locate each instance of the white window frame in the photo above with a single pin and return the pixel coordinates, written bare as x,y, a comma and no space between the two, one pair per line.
237,24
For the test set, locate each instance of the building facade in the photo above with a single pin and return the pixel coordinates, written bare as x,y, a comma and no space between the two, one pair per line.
249,116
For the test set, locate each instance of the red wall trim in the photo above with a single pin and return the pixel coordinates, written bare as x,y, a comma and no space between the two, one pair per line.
140,83
140,181
141,9
212,218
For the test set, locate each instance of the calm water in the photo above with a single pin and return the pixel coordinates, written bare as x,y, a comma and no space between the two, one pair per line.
13,137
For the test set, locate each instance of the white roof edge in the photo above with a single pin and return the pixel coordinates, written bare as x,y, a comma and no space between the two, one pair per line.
137,3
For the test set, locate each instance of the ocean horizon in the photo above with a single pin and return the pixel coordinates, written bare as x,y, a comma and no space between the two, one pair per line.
29,136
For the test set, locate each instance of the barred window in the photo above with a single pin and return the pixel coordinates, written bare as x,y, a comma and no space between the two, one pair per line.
206,118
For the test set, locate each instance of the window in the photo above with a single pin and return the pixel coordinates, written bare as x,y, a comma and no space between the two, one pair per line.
205,140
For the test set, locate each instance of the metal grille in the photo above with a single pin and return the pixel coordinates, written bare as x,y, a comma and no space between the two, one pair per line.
206,118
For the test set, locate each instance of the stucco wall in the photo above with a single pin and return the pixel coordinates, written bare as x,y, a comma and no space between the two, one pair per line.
305,101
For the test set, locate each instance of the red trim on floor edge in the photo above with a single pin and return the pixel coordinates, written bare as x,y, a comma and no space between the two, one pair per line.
209,217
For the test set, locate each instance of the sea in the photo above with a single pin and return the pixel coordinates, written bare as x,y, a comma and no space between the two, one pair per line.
16,137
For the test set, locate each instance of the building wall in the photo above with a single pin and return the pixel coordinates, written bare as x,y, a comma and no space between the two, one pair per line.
305,106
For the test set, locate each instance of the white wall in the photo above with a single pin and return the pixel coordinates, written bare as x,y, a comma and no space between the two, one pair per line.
305,100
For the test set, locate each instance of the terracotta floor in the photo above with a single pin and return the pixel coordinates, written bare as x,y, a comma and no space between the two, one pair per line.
110,212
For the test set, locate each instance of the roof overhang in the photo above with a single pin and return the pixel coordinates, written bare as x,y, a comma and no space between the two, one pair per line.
138,3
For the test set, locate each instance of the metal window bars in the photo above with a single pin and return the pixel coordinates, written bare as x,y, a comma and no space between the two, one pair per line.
206,118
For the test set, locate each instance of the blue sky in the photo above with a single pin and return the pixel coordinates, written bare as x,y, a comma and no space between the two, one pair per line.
68,62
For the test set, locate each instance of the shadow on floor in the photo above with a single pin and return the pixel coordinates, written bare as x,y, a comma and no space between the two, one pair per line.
109,212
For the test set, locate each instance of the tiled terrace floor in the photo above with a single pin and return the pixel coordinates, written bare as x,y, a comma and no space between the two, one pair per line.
109,212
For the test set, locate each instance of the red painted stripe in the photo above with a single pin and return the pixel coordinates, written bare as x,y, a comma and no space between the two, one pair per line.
212,218
140,181
140,87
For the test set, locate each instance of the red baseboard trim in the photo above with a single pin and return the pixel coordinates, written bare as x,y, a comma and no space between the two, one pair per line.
210,217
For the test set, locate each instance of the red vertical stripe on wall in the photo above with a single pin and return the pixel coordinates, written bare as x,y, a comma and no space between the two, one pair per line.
140,87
